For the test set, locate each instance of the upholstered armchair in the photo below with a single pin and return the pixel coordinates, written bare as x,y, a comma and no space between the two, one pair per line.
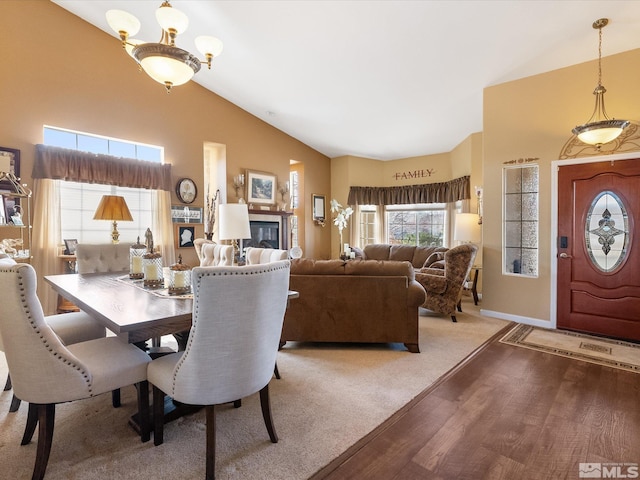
232,347
444,286
45,372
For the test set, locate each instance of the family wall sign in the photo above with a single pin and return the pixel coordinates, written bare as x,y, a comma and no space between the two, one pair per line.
413,174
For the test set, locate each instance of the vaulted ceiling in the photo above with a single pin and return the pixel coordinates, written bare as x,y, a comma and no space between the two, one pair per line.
381,79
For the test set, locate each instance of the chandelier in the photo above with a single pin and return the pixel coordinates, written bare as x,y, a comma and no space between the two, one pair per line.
163,61
600,129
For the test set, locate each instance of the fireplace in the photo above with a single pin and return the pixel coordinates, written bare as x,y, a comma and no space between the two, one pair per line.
269,229
263,235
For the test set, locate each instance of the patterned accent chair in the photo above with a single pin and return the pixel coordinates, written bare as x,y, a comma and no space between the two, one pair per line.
444,286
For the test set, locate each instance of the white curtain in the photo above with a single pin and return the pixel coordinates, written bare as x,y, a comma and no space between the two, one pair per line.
162,226
45,239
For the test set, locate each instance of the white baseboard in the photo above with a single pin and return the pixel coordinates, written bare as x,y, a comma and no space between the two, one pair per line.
536,322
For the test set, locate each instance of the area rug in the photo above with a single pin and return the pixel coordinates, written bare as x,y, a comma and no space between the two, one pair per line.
590,348
329,397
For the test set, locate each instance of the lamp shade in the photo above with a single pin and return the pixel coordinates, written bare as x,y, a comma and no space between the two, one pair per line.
234,221
467,228
113,207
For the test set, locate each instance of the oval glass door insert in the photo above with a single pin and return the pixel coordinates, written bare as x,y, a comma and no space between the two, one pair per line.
607,231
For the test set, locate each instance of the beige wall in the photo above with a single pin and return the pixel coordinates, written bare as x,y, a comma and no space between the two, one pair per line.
533,117
59,70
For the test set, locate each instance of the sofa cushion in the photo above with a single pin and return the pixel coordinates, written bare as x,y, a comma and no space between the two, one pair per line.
402,253
377,251
309,266
380,268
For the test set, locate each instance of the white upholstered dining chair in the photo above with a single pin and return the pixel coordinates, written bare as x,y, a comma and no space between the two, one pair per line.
102,257
237,320
69,327
258,255
214,254
45,372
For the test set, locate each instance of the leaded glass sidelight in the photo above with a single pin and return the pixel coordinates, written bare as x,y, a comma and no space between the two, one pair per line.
607,231
520,202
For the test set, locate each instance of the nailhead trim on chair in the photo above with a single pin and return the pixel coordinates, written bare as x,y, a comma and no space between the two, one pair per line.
44,340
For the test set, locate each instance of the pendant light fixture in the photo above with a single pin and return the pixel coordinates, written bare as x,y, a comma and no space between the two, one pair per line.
600,129
163,61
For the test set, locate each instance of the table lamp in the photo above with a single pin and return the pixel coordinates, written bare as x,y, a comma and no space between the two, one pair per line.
114,208
467,228
234,224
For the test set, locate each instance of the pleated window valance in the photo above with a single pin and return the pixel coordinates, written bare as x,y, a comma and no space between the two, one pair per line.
76,166
444,192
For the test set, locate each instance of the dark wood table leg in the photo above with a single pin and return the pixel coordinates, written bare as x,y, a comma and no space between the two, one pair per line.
474,287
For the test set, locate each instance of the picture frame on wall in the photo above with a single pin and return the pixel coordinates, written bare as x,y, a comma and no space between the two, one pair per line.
185,235
10,163
318,202
261,187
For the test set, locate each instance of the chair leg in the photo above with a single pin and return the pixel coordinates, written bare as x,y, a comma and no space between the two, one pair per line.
453,318
276,372
15,404
237,403
143,410
7,386
46,419
266,413
158,416
32,423
210,473
115,398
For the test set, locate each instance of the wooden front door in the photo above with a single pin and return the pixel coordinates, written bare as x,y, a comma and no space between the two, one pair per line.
598,251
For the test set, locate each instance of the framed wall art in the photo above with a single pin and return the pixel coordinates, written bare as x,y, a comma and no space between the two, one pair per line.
318,208
10,163
261,187
185,235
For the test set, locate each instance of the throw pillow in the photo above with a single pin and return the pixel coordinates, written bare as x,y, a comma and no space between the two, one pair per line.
434,257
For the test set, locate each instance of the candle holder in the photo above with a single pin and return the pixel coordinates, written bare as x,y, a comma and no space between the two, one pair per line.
179,278
136,252
152,268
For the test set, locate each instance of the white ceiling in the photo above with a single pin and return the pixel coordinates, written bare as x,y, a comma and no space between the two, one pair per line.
381,79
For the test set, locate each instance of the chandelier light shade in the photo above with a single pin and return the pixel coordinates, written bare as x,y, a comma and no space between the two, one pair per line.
163,61
114,208
600,129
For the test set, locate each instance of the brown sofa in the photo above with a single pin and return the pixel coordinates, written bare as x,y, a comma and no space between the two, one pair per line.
361,301
419,257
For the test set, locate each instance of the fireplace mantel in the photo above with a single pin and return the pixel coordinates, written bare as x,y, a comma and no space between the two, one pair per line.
274,216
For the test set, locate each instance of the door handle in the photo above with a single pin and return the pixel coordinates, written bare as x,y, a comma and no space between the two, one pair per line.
564,255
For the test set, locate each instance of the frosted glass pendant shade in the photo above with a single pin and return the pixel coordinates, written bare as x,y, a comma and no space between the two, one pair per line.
208,45
121,21
170,18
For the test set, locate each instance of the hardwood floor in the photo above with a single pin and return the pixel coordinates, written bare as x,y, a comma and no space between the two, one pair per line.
505,413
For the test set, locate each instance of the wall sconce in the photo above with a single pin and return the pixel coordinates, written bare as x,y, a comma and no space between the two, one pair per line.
479,203
238,185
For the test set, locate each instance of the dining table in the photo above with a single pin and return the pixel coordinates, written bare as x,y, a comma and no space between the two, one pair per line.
124,306
135,314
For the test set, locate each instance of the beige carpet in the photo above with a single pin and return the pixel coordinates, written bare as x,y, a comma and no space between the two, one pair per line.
589,348
328,398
